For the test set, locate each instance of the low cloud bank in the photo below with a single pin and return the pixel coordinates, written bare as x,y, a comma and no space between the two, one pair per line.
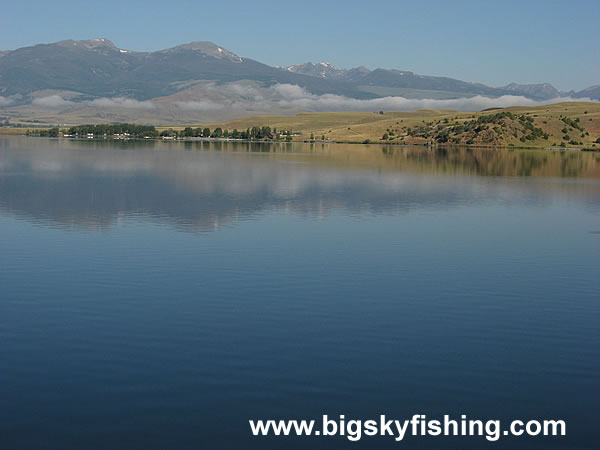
297,98
58,102
242,97
5,101
293,98
51,101
202,105
121,102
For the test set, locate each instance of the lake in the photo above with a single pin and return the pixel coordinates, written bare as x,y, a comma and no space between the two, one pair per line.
162,294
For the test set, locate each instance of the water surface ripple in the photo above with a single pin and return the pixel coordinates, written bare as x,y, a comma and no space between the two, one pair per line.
159,295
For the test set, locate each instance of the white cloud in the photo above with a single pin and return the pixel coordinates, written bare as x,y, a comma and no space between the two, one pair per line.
51,101
294,92
56,102
121,102
202,105
240,89
297,98
5,101
240,98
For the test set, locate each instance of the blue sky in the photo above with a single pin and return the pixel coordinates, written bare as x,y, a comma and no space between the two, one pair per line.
493,42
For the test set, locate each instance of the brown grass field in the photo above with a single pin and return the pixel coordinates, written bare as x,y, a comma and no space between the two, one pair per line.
359,127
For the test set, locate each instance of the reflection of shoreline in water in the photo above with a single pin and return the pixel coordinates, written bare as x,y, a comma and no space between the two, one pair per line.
444,160
95,184
502,162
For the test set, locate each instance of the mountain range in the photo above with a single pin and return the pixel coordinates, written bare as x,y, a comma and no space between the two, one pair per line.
391,78
201,78
96,67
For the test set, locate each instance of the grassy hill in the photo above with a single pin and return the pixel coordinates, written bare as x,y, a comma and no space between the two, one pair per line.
575,124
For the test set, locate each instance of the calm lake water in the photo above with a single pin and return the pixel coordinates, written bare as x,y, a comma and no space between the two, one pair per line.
160,295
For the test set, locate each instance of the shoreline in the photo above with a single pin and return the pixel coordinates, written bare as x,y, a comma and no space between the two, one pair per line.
315,142
571,126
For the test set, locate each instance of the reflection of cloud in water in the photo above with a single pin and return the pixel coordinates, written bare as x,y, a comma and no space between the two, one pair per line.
94,185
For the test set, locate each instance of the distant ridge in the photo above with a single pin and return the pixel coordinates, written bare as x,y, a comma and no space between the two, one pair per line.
96,81
536,91
393,78
98,68
591,92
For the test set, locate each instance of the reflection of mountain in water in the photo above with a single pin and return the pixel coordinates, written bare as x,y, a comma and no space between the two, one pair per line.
94,184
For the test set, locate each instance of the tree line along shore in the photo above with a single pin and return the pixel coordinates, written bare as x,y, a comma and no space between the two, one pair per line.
134,131
565,125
